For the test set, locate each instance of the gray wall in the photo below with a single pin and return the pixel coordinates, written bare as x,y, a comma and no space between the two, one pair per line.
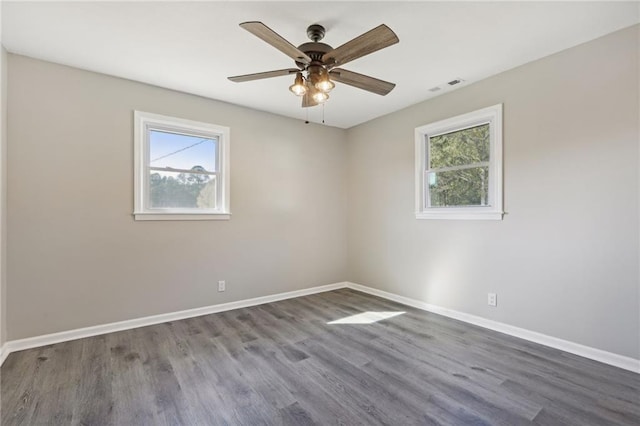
3,194
77,258
564,261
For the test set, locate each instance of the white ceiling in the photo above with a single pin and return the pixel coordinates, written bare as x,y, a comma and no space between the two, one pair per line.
194,47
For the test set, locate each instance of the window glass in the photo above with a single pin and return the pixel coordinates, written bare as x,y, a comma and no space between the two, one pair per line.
467,146
181,151
182,190
461,187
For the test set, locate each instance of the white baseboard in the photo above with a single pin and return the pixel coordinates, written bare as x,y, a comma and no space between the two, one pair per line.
605,357
3,353
80,333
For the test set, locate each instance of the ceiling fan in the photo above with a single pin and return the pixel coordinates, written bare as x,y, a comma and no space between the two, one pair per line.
317,62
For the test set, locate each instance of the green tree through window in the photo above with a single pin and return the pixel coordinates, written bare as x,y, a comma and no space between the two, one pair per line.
184,190
459,167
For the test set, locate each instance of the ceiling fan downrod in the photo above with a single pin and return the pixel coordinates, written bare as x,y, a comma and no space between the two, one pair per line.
315,32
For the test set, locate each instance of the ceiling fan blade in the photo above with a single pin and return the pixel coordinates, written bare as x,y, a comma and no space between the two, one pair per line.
361,81
265,33
261,75
308,101
369,42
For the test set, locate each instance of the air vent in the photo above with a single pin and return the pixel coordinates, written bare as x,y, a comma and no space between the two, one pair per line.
454,82
434,89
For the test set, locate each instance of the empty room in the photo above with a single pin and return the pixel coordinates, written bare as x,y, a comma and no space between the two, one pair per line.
320,213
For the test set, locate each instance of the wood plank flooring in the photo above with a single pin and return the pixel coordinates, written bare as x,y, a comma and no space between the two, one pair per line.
282,364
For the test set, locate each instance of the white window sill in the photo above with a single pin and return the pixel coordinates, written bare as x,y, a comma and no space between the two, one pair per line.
182,216
459,215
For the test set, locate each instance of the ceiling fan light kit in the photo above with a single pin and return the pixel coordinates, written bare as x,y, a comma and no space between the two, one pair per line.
320,97
316,62
325,85
298,87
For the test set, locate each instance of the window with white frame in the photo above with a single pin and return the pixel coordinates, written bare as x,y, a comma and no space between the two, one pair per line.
181,169
459,167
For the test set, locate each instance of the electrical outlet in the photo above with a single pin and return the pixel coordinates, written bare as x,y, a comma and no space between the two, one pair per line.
492,299
222,286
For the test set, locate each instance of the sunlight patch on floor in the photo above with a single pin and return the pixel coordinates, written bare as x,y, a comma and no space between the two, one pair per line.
368,317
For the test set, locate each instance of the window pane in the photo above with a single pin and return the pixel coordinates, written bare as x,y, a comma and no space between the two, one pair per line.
182,190
181,151
468,146
464,187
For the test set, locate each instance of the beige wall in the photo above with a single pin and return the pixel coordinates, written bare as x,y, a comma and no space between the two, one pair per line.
77,258
564,261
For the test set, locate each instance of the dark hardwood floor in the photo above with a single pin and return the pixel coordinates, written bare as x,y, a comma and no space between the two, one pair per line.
283,364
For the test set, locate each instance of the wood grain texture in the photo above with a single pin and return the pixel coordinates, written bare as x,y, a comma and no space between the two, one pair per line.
266,34
365,44
362,81
282,364
261,75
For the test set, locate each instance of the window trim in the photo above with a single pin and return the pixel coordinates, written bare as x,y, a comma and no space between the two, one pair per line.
494,211
143,122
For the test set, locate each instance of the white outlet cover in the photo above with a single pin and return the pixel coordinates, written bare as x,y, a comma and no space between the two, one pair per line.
492,299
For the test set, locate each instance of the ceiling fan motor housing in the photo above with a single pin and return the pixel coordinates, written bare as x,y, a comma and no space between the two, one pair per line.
315,51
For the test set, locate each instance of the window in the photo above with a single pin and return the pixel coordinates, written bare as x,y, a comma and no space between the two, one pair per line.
459,167
181,169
